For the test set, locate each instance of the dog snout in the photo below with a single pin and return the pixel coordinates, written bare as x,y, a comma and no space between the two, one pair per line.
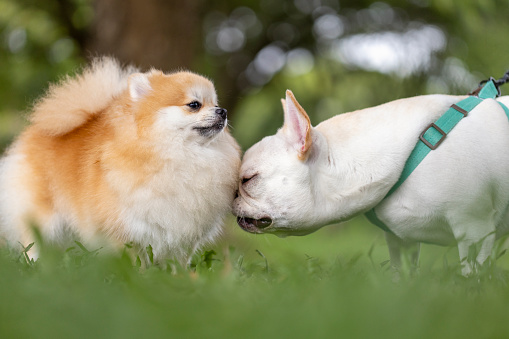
221,112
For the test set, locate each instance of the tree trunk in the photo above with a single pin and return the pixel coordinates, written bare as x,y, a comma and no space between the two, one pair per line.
150,33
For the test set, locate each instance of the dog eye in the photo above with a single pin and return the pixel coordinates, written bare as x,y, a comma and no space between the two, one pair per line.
246,179
194,105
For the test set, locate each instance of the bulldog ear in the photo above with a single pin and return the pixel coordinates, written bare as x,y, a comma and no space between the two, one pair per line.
283,103
297,126
139,86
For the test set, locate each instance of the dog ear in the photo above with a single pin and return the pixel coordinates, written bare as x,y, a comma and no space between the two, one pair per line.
283,103
297,126
139,86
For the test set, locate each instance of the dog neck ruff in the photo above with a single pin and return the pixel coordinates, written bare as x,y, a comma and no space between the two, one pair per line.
436,132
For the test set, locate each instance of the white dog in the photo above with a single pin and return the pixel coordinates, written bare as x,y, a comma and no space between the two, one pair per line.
304,177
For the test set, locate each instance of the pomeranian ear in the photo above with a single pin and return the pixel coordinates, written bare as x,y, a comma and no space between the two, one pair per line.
297,126
139,86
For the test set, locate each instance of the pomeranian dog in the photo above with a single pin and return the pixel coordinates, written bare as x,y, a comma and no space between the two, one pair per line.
142,158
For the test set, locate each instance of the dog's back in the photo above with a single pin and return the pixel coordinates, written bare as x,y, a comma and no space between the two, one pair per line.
44,163
75,100
463,184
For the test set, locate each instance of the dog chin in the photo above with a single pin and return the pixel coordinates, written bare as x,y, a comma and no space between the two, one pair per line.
266,225
256,226
211,130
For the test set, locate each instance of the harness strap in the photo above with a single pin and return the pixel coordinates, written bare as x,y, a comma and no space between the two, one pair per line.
434,135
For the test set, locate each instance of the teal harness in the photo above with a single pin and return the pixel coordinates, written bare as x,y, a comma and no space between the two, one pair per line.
435,133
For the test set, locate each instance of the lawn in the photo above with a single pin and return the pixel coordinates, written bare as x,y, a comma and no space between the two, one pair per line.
334,283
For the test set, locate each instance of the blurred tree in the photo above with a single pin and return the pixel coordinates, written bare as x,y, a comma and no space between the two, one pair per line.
150,33
337,55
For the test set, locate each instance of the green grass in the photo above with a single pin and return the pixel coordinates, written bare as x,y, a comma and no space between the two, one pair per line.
331,284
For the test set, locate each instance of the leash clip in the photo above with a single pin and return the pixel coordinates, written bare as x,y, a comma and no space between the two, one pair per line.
496,83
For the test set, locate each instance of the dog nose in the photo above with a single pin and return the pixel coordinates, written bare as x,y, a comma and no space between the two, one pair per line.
221,112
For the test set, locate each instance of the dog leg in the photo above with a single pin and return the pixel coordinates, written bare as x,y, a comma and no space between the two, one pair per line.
475,238
403,254
474,250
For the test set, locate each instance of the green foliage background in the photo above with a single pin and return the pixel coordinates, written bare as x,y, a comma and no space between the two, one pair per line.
334,283
41,42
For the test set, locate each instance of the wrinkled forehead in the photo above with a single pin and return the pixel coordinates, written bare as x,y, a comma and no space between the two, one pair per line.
263,151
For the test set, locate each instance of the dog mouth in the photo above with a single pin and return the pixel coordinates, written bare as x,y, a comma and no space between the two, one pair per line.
254,225
210,130
212,126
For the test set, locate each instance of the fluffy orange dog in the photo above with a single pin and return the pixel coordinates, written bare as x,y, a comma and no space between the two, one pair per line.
132,157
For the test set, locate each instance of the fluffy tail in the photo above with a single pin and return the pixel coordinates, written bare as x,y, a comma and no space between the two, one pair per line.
75,100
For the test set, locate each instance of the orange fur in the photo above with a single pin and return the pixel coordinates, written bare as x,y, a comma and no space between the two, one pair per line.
91,148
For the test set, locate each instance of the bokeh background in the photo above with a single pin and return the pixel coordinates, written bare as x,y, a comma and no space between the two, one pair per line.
336,56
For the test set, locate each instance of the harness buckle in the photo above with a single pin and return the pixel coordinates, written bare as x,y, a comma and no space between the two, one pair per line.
460,110
429,144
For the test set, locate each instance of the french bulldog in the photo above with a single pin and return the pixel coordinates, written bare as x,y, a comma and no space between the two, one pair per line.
305,177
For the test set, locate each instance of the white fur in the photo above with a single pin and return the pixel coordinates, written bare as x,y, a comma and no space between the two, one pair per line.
12,206
459,193
164,214
139,86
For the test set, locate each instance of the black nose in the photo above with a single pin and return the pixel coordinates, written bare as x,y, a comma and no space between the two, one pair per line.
222,112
